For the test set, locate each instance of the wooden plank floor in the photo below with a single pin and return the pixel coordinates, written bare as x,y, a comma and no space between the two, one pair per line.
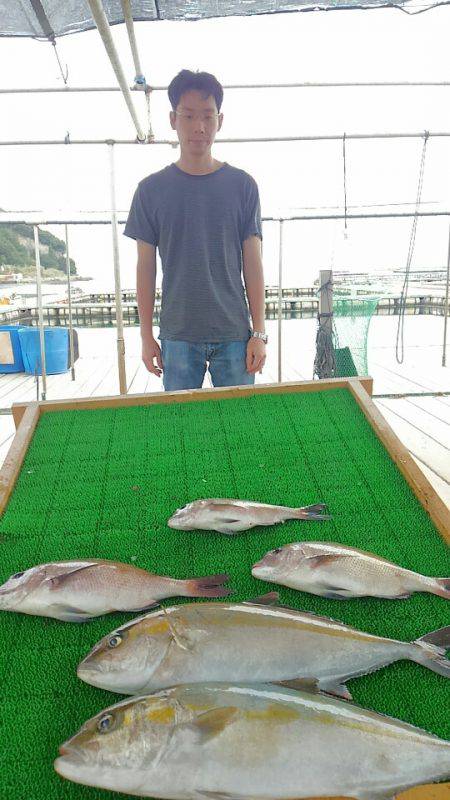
422,423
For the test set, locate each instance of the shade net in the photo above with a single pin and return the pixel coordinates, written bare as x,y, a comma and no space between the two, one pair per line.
47,19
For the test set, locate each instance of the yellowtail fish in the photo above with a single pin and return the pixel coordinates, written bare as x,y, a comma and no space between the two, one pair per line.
247,642
336,571
74,591
244,742
233,516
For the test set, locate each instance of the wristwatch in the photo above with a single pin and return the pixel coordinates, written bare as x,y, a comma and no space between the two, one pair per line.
258,335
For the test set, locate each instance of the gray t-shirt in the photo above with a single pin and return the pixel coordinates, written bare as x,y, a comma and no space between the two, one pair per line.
199,223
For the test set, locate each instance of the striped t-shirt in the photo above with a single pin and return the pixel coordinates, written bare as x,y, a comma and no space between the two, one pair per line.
199,223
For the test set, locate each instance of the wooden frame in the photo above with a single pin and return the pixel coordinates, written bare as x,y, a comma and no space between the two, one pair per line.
26,417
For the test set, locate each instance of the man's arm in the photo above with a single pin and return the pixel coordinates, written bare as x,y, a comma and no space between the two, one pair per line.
145,290
254,286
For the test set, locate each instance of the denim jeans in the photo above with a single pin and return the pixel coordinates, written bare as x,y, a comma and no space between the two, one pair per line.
185,363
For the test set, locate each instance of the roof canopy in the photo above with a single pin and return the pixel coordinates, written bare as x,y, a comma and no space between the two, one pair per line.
47,19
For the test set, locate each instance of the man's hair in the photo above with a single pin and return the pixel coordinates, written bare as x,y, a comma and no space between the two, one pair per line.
202,82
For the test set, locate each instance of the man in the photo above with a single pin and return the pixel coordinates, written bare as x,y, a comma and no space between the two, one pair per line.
204,217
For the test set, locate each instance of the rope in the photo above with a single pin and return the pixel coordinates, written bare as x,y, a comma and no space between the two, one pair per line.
324,362
345,184
399,344
65,74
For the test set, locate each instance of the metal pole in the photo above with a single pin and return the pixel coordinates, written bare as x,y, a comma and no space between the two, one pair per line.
280,299
119,314
40,312
69,300
8,217
227,86
263,139
446,308
102,23
128,17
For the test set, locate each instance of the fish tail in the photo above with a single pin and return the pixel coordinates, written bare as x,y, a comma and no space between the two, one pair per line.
312,512
209,586
439,638
441,587
431,651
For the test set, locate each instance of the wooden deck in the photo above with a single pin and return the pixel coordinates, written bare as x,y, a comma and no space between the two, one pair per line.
422,423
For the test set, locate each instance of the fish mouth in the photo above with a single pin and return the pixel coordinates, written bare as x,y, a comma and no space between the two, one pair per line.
261,570
176,522
90,674
69,756
105,679
72,766
65,750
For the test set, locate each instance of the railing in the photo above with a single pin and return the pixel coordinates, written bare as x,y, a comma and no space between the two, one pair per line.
299,303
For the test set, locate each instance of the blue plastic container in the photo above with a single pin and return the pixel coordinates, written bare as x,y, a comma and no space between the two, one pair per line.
9,341
56,350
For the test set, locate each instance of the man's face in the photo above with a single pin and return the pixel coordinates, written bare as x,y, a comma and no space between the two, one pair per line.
196,122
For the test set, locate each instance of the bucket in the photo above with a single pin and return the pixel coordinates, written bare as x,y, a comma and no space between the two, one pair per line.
10,350
56,350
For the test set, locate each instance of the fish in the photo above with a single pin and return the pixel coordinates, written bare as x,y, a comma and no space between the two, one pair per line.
233,516
250,642
338,572
75,591
247,742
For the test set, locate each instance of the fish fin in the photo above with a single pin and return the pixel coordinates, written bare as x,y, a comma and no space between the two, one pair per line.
312,512
430,651
336,689
71,614
61,580
231,531
317,561
442,588
336,593
439,638
269,599
222,795
178,638
300,684
208,586
212,722
147,607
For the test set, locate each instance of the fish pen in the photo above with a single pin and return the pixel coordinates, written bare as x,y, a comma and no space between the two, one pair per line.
99,478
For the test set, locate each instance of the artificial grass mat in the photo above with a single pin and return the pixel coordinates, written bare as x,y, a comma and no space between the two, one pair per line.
102,484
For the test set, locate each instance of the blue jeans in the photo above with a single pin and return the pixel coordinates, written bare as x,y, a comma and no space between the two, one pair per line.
184,364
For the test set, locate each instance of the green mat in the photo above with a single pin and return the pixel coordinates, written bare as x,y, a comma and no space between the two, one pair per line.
103,483
345,366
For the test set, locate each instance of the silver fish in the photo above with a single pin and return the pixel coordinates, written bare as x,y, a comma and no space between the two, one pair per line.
336,571
74,591
233,516
223,742
247,642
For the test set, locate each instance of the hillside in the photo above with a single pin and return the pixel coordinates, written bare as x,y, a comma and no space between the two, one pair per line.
17,249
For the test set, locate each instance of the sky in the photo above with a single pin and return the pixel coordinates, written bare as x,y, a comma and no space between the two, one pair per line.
375,45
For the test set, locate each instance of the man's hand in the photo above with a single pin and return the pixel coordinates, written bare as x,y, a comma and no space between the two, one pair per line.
151,351
256,355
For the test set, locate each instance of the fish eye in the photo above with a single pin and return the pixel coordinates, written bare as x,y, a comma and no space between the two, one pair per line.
105,723
17,575
277,550
114,641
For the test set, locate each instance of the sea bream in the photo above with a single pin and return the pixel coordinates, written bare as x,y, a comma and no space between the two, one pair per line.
336,571
233,516
74,591
231,742
247,642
